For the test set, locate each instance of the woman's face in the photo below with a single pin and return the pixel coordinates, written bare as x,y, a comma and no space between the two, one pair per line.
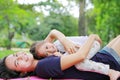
19,61
46,49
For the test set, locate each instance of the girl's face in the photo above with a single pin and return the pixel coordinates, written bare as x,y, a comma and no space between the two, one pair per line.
20,61
46,49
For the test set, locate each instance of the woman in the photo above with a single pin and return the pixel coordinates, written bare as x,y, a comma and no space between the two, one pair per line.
53,66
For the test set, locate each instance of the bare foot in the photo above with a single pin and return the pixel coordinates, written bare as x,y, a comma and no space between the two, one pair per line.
114,75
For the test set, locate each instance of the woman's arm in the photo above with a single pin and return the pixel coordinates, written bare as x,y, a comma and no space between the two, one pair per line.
70,60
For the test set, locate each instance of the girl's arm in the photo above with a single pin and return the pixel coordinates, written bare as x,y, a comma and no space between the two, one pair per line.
70,60
89,65
92,66
55,34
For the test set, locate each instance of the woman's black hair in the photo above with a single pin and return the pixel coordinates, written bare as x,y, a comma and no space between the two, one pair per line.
33,49
6,73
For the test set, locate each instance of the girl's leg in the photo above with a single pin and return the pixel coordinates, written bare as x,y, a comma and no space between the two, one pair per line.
94,49
113,41
92,66
115,44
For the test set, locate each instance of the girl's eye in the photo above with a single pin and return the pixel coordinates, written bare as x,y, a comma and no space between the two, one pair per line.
46,47
16,55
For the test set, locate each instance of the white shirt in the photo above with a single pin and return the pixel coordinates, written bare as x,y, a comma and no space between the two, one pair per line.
86,65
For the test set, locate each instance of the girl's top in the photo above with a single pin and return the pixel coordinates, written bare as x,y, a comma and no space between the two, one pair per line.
86,65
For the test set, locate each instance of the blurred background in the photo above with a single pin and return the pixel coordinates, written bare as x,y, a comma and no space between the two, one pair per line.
24,21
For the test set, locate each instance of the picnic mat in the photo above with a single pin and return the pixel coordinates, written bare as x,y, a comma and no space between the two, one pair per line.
26,78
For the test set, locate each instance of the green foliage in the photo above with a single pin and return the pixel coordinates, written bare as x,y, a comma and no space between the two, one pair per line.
18,22
5,53
105,19
22,20
90,21
14,20
66,24
58,19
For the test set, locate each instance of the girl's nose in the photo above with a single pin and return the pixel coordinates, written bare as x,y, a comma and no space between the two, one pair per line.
49,47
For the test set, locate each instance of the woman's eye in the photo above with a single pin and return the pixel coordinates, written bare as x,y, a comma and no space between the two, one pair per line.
16,63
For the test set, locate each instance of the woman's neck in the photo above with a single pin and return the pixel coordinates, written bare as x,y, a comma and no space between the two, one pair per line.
34,65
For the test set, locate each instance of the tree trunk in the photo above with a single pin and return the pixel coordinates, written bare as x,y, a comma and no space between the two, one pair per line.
10,34
81,23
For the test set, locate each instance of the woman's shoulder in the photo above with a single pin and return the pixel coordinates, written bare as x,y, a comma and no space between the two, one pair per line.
49,59
49,66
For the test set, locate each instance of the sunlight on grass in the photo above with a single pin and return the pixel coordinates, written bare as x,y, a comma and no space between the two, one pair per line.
13,50
5,53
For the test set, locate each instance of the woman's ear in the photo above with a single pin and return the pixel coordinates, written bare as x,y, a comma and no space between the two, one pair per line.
23,73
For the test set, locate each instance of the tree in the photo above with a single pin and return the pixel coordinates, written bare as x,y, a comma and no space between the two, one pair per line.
13,20
17,20
58,18
82,26
107,18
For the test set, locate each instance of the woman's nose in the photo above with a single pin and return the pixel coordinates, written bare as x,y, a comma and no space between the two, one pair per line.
19,57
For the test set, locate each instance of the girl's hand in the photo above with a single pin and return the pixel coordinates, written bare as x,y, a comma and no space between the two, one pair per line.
98,38
70,47
58,54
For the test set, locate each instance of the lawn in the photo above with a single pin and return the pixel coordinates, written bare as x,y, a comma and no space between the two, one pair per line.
13,50
5,52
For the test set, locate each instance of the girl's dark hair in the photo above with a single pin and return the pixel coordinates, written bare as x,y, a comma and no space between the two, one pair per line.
33,49
6,73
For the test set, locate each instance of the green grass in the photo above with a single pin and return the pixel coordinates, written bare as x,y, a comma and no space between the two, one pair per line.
5,53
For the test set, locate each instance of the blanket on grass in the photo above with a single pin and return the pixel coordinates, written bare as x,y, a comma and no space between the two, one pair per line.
27,78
